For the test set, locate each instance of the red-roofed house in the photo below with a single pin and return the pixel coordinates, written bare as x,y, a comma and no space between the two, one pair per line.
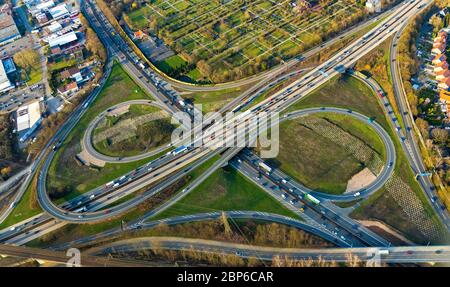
139,35
444,84
67,89
440,67
439,59
440,75
438,48
441,37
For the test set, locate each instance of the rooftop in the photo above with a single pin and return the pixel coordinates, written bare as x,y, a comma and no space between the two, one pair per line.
63,39
58,11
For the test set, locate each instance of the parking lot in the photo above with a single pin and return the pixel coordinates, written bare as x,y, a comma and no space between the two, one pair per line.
13,100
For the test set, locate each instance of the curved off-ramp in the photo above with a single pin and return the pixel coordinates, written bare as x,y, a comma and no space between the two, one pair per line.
385,173
90,154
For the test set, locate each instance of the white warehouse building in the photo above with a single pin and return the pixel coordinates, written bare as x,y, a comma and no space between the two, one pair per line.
28,119
63,39
5,84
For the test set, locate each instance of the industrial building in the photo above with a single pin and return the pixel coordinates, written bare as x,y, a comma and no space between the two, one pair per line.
8,29
28,119
5,84
63,40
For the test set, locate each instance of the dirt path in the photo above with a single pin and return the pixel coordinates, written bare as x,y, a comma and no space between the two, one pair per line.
360,180
387,229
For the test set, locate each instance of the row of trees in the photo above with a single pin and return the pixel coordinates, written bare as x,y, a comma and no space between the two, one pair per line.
27,58
93,43
6,151
436,138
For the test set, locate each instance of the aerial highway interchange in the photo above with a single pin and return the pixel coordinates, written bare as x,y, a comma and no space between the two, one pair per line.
168,164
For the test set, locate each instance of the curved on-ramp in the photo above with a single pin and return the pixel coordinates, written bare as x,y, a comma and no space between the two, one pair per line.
86,142
390,159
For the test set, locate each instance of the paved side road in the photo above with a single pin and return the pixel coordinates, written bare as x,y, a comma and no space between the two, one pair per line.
410,254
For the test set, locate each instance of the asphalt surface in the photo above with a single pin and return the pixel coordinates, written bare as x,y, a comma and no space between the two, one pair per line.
264,216
278,69
280,101
412,254
319,214
412,149
86,144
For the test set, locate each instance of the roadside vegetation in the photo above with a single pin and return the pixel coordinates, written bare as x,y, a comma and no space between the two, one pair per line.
225,190
214,100
11,157
226,229
75,231
429,118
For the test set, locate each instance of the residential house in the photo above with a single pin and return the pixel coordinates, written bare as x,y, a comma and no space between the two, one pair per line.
440,67
68,89
441,37
72,73
138,35
441,75
41,18
444,84
439,59
444,99
438,48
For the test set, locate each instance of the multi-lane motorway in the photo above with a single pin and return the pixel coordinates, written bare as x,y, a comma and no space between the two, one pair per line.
281,100
412,150
416,254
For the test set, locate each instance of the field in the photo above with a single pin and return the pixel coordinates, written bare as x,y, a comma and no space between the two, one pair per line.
213,101
171,63
345,92
226,189
134,132
228,40
67,177
319,162
34,76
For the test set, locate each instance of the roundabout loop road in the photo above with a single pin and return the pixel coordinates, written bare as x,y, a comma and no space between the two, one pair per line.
88,148
385,173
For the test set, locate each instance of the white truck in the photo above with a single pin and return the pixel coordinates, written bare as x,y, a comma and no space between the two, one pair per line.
265,167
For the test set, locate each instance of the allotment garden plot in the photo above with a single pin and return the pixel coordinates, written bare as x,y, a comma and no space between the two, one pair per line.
231,39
